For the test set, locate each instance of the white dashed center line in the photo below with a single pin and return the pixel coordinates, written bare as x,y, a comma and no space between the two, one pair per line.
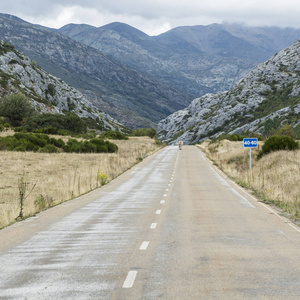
144,245
158,212
153,225
129,281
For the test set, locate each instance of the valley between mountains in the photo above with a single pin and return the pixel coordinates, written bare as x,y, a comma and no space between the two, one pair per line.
140,80
97,201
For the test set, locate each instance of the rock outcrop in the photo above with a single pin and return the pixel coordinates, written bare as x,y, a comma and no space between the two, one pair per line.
270,90
48,94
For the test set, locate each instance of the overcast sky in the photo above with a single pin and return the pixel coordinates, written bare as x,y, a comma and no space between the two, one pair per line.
155,16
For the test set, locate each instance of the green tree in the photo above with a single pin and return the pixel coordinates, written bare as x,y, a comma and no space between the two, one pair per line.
16,108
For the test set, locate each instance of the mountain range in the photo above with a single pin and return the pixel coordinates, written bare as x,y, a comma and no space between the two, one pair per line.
133,98
197,59
270,92
138,79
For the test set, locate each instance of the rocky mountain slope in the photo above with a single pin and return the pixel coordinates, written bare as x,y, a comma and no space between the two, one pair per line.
271,90
47,93
133,98
198,59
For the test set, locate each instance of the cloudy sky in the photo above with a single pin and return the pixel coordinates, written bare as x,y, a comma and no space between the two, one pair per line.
155,16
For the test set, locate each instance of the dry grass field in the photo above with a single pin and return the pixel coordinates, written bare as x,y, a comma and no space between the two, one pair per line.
49,179
275,178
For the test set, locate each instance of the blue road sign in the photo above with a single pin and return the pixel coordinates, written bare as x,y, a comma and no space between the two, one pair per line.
250,143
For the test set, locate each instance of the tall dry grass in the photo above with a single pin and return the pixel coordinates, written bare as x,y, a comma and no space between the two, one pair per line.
59,177
275,178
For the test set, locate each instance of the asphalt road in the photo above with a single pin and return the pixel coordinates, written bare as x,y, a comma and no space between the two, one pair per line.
170,228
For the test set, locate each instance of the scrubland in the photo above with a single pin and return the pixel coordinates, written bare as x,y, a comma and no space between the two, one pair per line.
274,179
47,179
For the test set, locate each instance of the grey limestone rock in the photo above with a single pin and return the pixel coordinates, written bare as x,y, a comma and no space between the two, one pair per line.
238,110
47,93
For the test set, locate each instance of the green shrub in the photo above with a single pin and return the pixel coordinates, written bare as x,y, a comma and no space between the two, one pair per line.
16,108
37,142
114,135
73,146
144,132
101,146
111,148
89,147
63,132
276,143
47,130
286,130
57,143
48,149
20,148
56,124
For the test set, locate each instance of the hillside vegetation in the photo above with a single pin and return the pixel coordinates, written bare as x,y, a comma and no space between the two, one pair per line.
22,81
274,178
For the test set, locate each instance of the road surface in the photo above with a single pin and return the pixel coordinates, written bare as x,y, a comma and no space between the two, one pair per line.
170,228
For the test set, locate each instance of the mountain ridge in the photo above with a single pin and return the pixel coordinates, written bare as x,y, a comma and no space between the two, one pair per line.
200,59
270,91
134,99
140,80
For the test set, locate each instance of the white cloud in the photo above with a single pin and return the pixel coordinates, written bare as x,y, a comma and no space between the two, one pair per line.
155,16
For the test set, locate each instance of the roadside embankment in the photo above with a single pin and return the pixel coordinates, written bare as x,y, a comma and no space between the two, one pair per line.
274,178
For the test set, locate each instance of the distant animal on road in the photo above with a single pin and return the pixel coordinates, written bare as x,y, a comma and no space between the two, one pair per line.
180,144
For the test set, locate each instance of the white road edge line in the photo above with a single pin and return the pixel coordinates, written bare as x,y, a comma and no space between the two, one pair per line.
129,281
144,245
285,220
153,225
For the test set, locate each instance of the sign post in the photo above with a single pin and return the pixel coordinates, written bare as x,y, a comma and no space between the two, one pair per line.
250,143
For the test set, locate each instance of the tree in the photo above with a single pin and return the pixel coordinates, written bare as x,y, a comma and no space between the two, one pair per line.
16,108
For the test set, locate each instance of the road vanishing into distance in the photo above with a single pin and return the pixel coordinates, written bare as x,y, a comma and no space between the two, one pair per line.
172,227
